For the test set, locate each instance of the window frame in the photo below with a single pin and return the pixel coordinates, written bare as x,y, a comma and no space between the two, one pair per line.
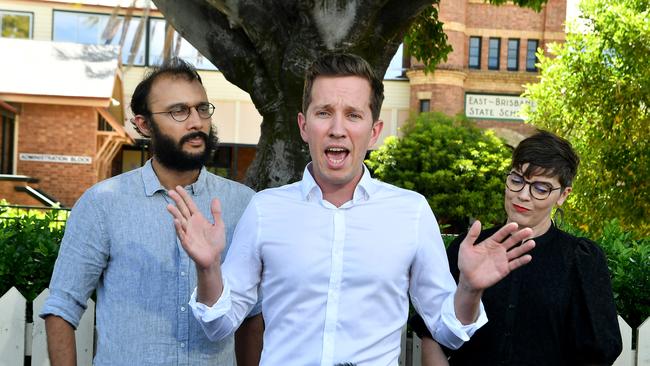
516,54
498,53
533,56
30,14
427,103
145,43
469,52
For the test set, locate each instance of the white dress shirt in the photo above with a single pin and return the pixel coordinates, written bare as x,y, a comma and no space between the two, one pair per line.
334,281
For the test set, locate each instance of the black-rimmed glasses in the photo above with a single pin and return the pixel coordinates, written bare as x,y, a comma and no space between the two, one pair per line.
182,112
538,190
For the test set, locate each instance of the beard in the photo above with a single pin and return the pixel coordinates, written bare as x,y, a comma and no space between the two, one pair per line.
170,154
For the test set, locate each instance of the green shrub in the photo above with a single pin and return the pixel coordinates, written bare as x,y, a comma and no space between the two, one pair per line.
456,166
628,260
29,244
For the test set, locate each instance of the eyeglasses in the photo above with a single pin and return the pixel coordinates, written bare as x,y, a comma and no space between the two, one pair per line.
538,190
182,112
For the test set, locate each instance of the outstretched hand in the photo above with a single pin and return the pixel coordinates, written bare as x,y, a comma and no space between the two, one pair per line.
486,263
203,241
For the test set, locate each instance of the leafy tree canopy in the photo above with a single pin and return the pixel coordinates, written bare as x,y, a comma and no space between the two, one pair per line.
595,91
456,166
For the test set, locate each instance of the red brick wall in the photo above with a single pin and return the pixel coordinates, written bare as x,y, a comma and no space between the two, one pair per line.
59,130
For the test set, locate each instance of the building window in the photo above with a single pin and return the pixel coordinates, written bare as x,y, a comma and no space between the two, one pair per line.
513,54
398,65
531,57
7,131
91,28
186,51
425,105
474,52
493,54
15,24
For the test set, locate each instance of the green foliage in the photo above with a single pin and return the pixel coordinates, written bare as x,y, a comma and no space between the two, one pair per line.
426,40
457,167
29,244
629,265
595,91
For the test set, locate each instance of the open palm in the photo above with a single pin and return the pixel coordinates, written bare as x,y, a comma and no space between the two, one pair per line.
486,263
202,240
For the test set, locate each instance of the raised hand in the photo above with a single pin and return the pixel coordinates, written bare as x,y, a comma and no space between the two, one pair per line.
486,263
203,241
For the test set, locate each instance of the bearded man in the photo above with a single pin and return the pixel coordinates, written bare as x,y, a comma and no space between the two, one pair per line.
120,241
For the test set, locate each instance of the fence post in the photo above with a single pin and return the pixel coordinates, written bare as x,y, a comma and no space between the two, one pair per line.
39,340
626,357
84,335
12,328
643,344
416,351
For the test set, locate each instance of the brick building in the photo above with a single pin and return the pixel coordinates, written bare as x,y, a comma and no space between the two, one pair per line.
493,57
48,137
62,124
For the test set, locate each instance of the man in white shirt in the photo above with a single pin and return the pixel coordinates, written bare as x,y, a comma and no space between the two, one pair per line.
336,254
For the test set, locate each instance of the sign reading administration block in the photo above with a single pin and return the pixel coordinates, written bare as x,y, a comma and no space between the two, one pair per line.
50,158
490,106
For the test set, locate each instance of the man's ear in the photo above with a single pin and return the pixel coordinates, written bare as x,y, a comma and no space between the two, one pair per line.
143,124
302,125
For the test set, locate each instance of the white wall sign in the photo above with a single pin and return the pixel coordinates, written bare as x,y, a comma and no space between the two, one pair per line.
50,158
490,106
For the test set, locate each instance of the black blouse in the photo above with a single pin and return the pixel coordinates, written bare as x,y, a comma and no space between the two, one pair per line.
556,310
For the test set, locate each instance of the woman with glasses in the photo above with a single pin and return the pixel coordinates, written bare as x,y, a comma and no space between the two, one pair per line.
559,308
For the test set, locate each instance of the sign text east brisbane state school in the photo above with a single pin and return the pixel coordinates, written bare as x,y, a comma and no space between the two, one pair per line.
490,106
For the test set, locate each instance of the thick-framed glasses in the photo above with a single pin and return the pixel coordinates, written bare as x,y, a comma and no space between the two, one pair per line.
538,190
182,112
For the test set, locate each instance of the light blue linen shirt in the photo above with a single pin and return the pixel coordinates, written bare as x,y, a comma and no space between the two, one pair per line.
120,240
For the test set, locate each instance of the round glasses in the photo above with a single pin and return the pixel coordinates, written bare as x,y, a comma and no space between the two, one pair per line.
182,112
538,190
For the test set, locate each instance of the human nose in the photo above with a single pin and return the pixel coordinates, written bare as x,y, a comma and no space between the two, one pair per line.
337,127
524,193
194,121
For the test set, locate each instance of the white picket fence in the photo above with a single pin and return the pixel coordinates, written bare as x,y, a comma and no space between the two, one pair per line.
20,338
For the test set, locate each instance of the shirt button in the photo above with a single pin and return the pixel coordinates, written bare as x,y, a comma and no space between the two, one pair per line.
183,273
511,306
182,308
182,344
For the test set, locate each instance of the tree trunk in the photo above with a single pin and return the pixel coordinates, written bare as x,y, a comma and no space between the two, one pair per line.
264,47
281,154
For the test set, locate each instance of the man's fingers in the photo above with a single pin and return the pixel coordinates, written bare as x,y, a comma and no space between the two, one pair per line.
504,232
215,207
520,250
518,237
176,214
472,234
518,262
180,203
187,199
180,232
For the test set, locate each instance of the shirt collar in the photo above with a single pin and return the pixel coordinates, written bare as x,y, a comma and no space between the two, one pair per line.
364,190
152,183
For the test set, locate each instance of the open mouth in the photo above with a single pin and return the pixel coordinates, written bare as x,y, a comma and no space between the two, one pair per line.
336,155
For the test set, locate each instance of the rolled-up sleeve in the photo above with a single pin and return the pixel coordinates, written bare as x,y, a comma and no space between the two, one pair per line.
82,258
432,287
